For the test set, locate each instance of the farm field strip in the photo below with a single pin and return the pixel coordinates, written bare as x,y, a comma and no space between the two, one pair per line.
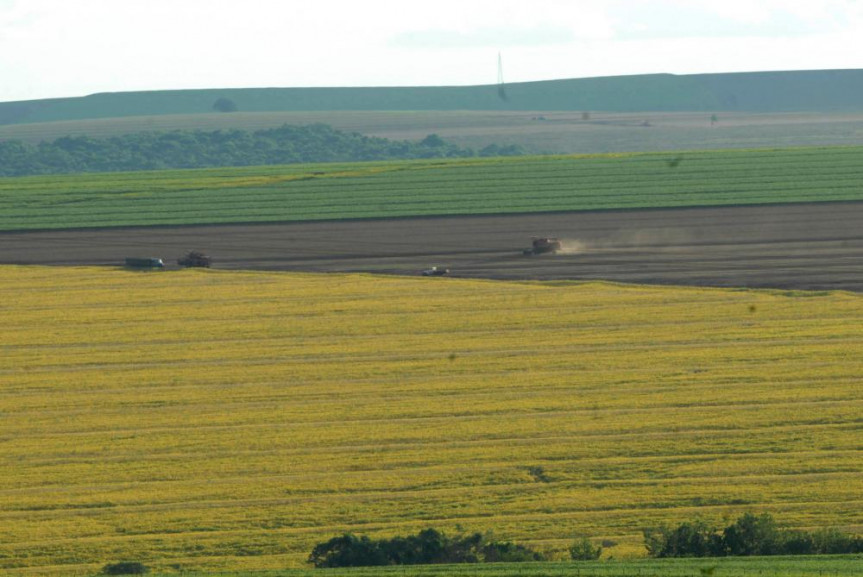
511,193
815,246
440,187
540,132
837,566
230,420
397,124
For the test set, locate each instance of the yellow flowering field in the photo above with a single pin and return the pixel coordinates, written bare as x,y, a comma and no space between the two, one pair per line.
209,419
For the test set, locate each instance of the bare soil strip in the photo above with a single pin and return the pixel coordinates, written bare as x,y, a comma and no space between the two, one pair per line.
804,246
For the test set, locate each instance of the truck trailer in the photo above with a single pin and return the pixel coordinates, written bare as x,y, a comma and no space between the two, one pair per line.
149,262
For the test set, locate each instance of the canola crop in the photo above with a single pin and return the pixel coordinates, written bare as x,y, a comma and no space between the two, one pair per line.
231,420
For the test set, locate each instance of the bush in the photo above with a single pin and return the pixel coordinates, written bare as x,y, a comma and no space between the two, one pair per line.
583,550
125,568
833,541
509,553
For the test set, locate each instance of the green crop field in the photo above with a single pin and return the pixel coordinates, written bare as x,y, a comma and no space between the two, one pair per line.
433,187
832,566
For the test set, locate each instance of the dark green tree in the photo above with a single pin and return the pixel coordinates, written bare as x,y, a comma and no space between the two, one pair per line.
432,141
348,551
225,105
692,539
752,535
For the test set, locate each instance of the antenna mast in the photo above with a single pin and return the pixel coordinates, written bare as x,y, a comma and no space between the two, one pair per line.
501,88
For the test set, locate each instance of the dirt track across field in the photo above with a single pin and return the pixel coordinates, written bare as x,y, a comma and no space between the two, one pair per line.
812,246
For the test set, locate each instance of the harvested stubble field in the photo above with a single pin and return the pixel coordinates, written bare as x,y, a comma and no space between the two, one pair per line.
230,420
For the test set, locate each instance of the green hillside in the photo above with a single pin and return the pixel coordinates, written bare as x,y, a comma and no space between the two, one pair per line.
821,90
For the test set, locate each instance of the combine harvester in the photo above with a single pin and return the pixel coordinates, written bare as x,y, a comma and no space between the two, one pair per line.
195,259
543,245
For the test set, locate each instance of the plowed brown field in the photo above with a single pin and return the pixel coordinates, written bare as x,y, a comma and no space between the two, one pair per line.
804,246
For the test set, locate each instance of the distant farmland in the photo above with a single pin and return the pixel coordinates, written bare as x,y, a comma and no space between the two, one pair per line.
227,420
536,132
585,115
436,187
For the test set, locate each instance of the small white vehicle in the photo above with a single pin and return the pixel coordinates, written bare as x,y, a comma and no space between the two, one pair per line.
435,271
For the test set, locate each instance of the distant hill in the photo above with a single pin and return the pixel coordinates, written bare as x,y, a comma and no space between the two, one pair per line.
798,91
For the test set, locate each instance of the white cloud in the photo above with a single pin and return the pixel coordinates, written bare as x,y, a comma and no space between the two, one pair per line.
816,13
746,12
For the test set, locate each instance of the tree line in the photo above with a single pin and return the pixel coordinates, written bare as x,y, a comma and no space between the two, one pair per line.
208,149
749,535
427,547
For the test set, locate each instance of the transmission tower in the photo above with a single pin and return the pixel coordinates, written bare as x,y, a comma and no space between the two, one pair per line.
501,87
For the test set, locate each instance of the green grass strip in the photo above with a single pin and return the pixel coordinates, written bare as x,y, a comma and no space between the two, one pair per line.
433,187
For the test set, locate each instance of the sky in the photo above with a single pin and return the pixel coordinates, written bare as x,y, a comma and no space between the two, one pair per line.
59,48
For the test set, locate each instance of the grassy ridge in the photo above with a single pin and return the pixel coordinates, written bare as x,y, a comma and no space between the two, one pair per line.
217,420
794,91
439,187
